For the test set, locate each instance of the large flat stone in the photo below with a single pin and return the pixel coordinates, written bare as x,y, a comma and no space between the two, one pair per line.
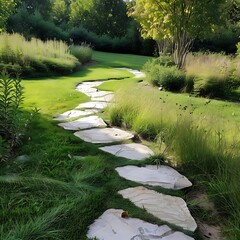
93,105
171,209
73,114
107,98
88,88
106,135
111,226
153,175
100,94
132,151
84,123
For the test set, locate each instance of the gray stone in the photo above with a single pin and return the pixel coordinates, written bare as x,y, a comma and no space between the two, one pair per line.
107,98
84,123
73,114
93,105
111,226
153,175
132,151
106,135
171,209
88,87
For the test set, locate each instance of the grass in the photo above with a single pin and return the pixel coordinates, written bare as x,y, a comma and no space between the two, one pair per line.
65,183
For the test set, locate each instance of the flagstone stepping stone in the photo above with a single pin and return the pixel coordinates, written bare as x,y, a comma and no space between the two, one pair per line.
171,209
93,105
153,175
111,226
100,93
73,114
137,74
132,151
106,135
107,98
84,123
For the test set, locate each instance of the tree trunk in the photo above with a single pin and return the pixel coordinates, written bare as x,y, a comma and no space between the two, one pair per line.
181,48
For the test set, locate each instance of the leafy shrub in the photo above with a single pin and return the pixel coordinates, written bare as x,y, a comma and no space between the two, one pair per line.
170,78
13,122
83,52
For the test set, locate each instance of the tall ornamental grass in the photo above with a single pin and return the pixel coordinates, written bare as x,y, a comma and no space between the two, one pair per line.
34,56
82,52
199,145
214,75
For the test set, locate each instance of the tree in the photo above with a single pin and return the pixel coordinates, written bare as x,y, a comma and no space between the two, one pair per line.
108,18
6,9
177,22
60,11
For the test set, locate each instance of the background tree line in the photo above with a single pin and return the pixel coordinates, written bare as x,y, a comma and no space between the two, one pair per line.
107,26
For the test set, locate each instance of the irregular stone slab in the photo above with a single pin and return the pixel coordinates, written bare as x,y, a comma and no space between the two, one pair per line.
106,135
111,226
153,175
88,87
137,74
107,98
73,114
84,123
132,151
93,105
100,93
171,209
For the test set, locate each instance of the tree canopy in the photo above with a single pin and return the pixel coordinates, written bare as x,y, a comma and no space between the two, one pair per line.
177,21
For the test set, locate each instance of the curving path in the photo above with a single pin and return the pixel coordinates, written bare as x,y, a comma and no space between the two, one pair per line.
112,225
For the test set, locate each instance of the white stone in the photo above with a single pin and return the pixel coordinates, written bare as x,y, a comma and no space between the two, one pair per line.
107,98
137,74
84,123
171,209
88,88
106,135
100,94
132,151
93,105
153,175
111,226
73,114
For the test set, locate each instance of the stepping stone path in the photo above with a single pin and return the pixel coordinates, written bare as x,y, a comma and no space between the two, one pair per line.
105,135
84,123
132,151
111,225
153,175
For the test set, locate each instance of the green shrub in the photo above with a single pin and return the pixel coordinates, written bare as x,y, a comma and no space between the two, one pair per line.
83,52
238,49
170,78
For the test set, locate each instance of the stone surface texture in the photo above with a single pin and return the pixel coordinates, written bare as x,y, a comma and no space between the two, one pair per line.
84,123
111,226
165,207
93,105
132,151
73,114
106,135
153,175
107,98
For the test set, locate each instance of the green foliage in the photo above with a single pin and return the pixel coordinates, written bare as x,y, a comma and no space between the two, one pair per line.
238,49
6,9
83,52
214,75
35,56
159,74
